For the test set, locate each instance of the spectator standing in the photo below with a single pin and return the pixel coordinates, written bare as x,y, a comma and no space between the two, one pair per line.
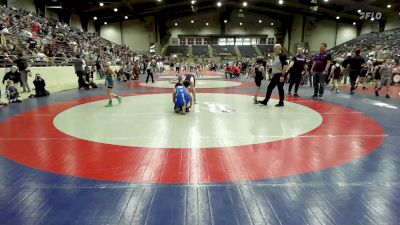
99,69
355,65
79,65
22,65
297,67
320,67
150,70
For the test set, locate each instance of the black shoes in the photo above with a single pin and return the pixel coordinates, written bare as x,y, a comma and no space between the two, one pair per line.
376,93
263,102
387,96
279,105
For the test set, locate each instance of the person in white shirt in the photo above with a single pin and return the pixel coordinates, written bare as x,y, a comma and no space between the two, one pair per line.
150,70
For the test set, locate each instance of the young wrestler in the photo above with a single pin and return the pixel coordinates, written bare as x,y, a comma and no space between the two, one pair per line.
12,92
110,76
259,71
386,77
336,72
181,98
192,88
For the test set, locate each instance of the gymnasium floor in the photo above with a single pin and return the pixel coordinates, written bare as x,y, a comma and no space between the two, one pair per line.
67,159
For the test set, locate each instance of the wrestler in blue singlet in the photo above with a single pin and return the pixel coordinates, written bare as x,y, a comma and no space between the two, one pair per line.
182,97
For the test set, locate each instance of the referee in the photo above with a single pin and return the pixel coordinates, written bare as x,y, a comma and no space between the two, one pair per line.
279,69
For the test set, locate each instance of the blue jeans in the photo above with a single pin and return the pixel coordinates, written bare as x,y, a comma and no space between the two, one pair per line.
319,83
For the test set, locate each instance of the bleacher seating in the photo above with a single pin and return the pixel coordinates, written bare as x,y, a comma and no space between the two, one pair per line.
200,50
178,49
47,42
247,51
385,44
265,49
224,50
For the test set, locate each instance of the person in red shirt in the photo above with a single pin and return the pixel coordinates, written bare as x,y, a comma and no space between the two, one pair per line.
228,71
6,22
236,71
35,28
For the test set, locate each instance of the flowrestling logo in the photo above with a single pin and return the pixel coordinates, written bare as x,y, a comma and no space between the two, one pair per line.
370,15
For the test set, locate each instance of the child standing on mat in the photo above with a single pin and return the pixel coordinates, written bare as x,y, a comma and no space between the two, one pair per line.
386,73
110,76
259,71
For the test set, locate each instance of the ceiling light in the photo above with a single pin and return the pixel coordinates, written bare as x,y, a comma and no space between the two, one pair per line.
193,1
280,2
192,21
389,6
206,24
359,11
101,4
159,0
260,21
372,19
176,24
95,18
219,4
338,17
225,21
240,23
105,23
126,17
244,4
115,10
272,23
326,0
354,23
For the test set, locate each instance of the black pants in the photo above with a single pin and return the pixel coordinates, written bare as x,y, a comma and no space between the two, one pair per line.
81,82
353,78
275,81
149,73
295,79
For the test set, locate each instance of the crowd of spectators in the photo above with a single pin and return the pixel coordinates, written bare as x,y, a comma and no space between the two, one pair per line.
373,45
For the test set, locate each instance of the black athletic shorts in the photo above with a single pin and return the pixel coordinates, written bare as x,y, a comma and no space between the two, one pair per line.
295,77
258,81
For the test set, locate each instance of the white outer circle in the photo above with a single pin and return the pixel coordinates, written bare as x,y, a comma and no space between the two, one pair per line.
149,121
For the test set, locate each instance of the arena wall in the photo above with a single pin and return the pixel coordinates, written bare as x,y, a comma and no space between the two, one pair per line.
370,26
392,23
250,26
137,34
91,27
76,21
28,5
318,31
57,78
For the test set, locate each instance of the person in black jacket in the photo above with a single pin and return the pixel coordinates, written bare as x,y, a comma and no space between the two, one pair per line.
40,87
13,75
22,65
355,65
297,67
